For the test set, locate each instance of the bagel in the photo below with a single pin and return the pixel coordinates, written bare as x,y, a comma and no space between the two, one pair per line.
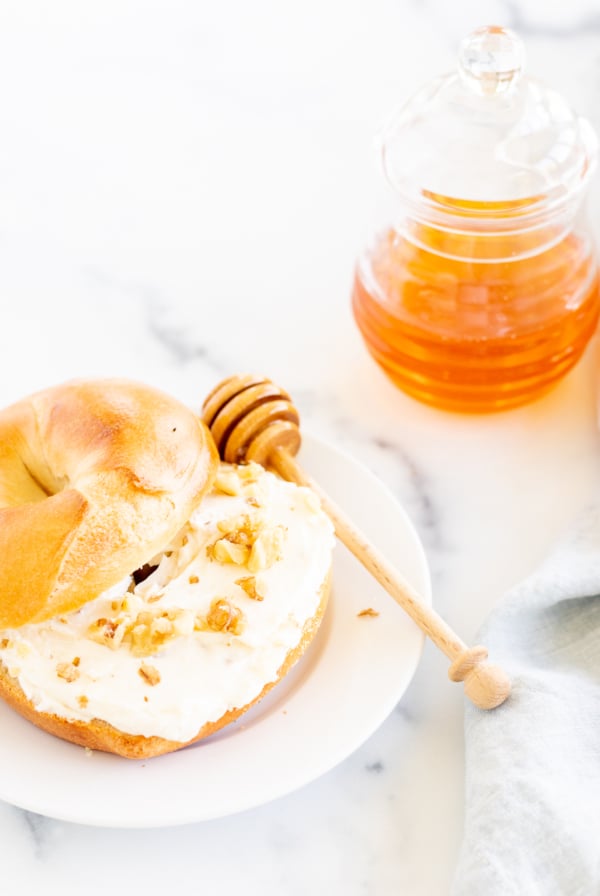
96,476
186,645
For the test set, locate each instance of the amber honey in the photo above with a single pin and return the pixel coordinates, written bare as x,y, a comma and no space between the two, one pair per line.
480,290
468,321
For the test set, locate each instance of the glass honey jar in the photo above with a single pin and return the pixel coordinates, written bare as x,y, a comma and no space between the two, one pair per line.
481,289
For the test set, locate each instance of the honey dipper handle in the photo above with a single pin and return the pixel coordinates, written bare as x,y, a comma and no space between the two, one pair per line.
485,684
388,577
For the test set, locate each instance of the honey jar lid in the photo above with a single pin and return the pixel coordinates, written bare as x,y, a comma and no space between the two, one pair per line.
487,134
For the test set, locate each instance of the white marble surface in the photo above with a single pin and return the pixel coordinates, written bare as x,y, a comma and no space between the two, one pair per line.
183,190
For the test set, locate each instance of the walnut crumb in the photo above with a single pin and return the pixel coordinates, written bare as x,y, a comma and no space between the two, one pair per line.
149,674
67,671
250,471
267,548
107,632
145,633
238,535
4,643
241,529
224,551
83,701
193,580
76,660
248,584
369,611
248,540
223,616
228,481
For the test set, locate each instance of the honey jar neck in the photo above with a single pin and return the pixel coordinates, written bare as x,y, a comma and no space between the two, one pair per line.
488,232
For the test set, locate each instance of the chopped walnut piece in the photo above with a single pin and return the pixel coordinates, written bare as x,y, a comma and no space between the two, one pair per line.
144,618
225,551
252,501
267,549
247,540
242,529
227,481
254,491
223,616
67,671
83,701
193,580
161,626
150,631
149,674
4,643
369,611
107,631
249,472
248,584
144,633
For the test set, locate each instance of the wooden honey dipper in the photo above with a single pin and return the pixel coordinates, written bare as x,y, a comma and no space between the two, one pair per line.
252,419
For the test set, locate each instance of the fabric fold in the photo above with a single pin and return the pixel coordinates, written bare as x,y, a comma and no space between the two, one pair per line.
532,818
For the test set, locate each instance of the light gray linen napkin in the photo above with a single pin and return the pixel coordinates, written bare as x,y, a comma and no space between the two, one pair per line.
532,823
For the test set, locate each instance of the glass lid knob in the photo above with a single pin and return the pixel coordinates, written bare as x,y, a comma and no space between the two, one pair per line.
491,60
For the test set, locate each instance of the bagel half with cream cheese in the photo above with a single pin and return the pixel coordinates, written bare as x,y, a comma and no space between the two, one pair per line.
140,649
95,477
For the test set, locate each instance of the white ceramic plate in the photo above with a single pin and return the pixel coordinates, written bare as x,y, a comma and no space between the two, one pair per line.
349,680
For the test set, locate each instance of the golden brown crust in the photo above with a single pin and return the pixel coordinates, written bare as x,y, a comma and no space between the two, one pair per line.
96,476
98,735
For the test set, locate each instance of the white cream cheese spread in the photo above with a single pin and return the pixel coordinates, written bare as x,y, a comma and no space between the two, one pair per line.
203,632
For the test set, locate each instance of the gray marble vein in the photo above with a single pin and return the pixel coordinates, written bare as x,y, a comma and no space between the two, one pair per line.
164,323
520,19
393,459
43,832
428,516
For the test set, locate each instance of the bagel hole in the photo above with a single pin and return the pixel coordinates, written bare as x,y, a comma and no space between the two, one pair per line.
40,490
141,574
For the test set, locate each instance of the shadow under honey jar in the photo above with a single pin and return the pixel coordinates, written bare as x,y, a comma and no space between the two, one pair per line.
483,291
